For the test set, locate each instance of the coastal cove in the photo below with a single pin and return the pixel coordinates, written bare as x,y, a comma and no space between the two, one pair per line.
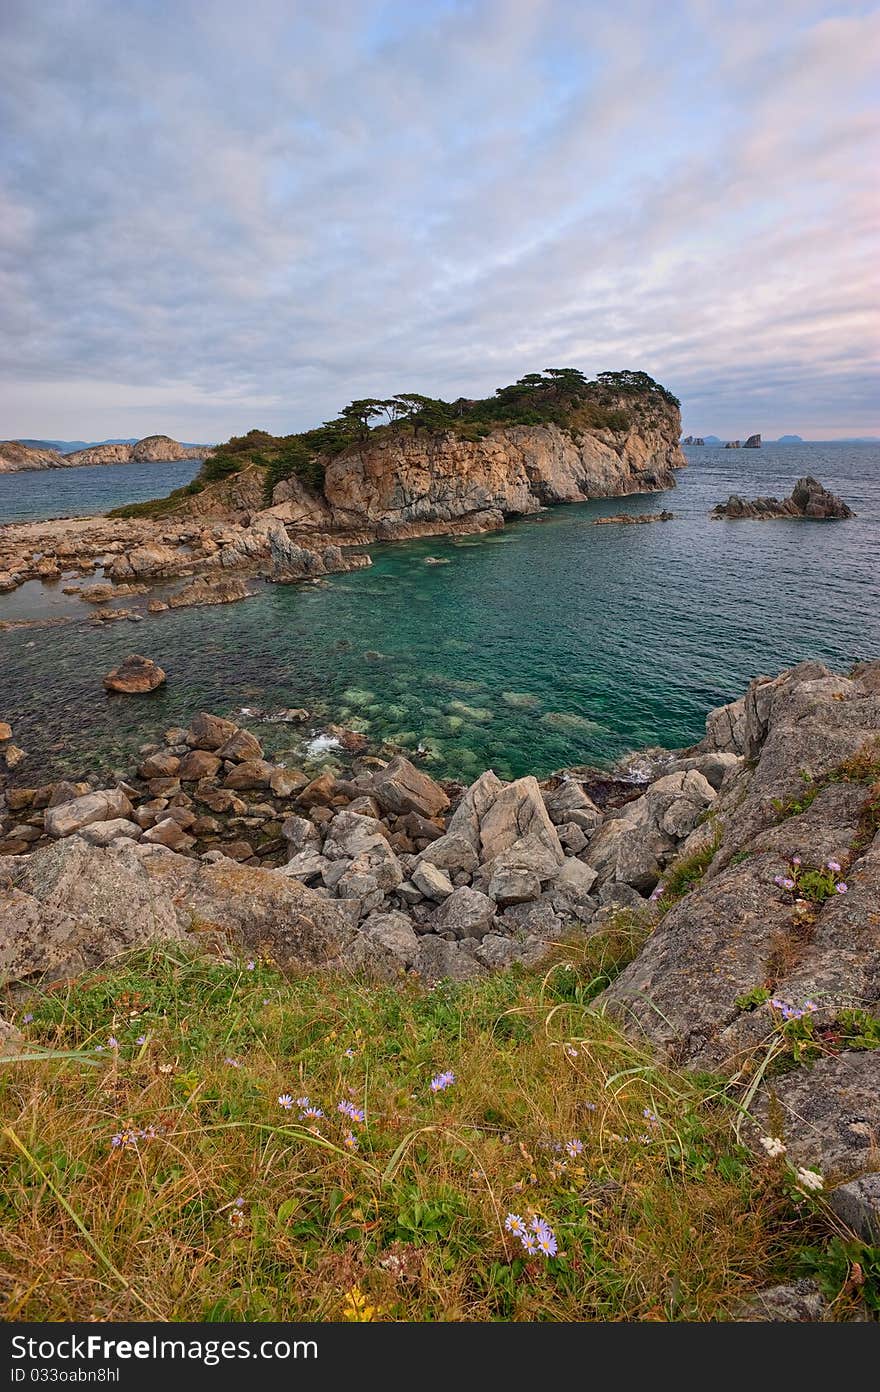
551,643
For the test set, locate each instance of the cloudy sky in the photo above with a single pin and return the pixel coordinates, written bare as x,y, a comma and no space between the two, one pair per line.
216,215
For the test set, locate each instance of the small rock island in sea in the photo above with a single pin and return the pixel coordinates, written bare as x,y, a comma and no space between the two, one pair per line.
808,499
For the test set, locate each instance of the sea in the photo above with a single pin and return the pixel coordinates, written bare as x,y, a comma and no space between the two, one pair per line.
550,644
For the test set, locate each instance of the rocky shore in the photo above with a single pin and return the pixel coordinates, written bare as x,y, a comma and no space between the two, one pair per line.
749,863
224,535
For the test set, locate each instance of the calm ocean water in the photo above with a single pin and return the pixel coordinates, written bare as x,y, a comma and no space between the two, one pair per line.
40,493
552,643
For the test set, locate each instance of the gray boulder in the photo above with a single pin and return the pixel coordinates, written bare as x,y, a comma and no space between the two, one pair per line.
69,817
453,852
858,1205
400,787
466,913
103,833
431,881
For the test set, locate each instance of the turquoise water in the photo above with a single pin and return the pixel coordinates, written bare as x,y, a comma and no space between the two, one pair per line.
39,493
551,643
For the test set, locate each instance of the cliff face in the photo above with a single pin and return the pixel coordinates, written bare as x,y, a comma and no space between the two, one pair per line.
15,457
516,471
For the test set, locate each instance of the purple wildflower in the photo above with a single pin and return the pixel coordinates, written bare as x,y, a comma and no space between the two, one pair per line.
650,1116
232,1063
545,1238
795,860
26,1019
311,1113
840,887
141,1039
442,1081
239,1202
350,1141
351,1111
528,1241
285,1101
787,883
250,966
514,1224
574,1148
113,1042
834,866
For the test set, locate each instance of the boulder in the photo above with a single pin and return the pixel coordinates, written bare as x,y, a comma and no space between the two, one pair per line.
301,833
69,817
260,910
162,764
209,731
797,1302
241,747
452,852
5,732
385,945
104,833
400,788
439,960
198,764
284,783
575,878
168,833
431,881
570,797
307,865
466,913
253,773
828,1114
512,885
135,675
75,907
350,834
858,1204
320,792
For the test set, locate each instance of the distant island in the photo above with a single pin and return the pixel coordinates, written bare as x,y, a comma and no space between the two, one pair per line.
74,446
17,456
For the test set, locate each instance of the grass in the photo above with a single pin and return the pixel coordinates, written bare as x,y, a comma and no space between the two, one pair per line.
687,872
232,1209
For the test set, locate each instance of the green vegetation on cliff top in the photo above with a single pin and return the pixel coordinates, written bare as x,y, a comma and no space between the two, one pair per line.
556,396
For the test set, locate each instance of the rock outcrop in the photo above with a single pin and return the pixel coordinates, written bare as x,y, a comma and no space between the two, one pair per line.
753,442
151,450
16,457
808,499
515,471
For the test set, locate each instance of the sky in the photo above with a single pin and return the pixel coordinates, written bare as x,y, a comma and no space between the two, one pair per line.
218,215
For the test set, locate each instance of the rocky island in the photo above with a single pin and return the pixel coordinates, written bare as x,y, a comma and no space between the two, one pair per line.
16,457
808,499
298,507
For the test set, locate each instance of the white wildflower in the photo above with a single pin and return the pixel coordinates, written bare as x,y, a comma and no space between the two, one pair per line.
810,1180
773,1146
